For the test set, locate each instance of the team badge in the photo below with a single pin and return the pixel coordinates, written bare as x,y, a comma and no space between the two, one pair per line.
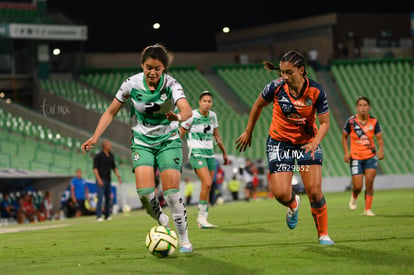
308,102
136,156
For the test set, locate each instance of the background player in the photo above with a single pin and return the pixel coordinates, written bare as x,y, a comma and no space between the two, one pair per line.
363,157
203,132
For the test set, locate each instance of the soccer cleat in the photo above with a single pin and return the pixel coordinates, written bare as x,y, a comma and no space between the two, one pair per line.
325,240
164,220
186,247
352,203
108,218
204,224
292,214
100,219
368,212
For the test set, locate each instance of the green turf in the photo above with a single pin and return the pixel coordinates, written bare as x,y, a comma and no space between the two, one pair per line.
252,238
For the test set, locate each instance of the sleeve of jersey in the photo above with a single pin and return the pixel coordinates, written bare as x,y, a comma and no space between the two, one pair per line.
268,91
187,124
347,127
178,92
377,127
123,92
216,123
321,104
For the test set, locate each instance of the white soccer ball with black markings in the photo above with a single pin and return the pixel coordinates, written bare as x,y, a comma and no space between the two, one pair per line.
161,241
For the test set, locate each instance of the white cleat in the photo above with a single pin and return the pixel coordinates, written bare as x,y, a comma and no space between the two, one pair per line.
352,203
203,223
368,212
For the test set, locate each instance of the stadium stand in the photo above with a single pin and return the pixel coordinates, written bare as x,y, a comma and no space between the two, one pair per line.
31,146
388,84
75,91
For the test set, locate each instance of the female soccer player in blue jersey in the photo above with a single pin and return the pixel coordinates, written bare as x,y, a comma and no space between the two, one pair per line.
294,140
159,104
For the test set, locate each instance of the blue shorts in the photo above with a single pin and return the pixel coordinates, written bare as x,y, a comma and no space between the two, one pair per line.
358,166
287,157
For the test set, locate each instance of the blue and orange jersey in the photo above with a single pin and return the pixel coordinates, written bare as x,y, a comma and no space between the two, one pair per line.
362,136
293,118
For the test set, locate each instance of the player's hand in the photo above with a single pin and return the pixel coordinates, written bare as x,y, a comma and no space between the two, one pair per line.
380,155
225,160
88,145
171,116
243,141
347,157
310,147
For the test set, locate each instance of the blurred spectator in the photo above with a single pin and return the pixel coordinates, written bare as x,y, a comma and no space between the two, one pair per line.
247,173
79,193
47,206
188,191
234,186
67,206
255,183
8,210
217,186
28,210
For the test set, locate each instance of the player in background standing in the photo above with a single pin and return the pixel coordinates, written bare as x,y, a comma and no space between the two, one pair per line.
158,105
202,129
103,165
363,157
294,140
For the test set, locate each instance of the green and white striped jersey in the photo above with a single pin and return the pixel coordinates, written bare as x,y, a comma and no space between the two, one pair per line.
200,129
149,124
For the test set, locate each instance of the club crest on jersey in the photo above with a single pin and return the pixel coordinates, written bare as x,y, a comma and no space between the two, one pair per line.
308,102
163,97
136,156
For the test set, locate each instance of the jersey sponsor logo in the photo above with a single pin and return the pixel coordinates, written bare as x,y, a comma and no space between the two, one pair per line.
296,118
206,128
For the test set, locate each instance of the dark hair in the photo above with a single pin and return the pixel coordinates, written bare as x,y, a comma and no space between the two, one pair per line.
203,93
156,51
294,57
362,98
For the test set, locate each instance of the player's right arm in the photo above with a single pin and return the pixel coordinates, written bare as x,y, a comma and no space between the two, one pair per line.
103,123
245,138
347,154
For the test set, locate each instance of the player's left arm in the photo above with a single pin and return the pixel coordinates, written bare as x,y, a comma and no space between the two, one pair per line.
380,141
220,144
185,111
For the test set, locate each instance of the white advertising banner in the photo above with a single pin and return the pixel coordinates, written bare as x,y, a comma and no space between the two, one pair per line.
49,32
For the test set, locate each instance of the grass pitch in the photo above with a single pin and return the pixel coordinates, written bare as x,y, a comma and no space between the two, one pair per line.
252,238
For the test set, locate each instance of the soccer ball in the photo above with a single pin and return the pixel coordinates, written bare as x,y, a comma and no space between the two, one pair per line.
161,241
